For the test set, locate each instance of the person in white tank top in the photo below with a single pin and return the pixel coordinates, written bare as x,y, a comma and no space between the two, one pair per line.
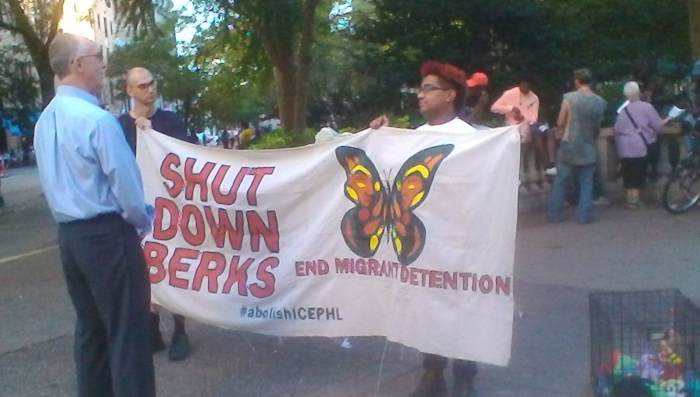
441,96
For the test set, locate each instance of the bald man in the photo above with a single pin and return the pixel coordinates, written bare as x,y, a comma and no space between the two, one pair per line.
94,189
142,88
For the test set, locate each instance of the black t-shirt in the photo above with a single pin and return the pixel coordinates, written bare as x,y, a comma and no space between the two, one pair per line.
163,121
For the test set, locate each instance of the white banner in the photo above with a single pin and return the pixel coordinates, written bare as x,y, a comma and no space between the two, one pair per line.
401,233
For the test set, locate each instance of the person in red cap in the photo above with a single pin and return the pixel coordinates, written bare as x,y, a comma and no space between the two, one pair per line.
477,101
441,98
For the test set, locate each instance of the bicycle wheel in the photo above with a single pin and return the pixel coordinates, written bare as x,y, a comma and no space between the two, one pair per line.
682,191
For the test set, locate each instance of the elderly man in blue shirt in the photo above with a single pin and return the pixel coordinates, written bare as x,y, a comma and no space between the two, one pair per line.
94,189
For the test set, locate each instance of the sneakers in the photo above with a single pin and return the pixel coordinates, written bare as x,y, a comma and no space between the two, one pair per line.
432,384
179,347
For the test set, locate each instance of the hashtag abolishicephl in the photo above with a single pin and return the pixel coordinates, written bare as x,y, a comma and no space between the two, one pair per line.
296,313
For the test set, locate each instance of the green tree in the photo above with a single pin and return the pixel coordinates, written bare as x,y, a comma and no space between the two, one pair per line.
36,22
178,78
694,19
547,39
282,30
18,92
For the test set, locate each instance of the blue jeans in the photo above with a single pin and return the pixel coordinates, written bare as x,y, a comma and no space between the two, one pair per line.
584,173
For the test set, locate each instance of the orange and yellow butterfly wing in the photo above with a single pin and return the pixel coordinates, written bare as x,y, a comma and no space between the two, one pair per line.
411,187
364,225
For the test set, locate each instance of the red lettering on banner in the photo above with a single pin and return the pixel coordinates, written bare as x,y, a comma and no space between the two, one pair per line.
404,274
312,268
502,285
230,197
155,254
450,280
265,277
269,233
212,274
485,284
194,179
414,276
238,275
197,237
373,267
176,265
258,174
224,229
171,175
162,205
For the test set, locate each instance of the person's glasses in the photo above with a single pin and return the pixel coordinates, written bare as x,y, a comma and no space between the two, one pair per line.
146,86
97,56
425,88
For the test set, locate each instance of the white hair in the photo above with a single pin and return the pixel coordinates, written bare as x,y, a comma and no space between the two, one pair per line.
631,90
64,49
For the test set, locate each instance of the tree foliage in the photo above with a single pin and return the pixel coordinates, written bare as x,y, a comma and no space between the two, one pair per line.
36,22
547,39
18,92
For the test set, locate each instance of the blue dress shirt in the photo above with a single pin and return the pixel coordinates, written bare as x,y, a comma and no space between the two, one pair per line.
85,165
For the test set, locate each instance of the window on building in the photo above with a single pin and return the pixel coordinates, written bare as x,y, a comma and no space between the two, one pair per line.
107,2
111,28
105,23
99,26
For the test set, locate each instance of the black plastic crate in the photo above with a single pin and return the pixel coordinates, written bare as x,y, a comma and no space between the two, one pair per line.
653,335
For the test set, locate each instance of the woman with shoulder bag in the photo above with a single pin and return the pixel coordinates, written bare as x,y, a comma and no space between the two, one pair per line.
636,129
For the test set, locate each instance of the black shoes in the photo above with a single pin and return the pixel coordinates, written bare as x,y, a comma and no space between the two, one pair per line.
180,344
179,347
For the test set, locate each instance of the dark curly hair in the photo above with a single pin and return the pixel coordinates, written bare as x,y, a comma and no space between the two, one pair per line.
450,75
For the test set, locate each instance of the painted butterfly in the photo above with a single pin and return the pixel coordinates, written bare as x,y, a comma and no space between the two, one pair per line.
381,209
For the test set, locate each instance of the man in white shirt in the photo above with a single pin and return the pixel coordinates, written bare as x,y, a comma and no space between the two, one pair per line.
441,97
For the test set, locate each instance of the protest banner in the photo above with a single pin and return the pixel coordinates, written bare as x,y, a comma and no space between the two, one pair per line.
400,233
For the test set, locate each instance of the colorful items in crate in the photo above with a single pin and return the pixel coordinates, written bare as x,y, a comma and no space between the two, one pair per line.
663,371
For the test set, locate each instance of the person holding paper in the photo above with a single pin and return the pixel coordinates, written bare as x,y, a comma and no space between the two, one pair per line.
441,97
519,103
636,129
141,86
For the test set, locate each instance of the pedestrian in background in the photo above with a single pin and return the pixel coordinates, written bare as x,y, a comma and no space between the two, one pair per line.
519,103
95,193
477,99
636,130
579,122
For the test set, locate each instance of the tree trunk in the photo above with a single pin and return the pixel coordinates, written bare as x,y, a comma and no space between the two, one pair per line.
285,79
694,14
303,63
46,80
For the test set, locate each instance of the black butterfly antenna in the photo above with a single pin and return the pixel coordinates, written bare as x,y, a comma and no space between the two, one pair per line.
387,178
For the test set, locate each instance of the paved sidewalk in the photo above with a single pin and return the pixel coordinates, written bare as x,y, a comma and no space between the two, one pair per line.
21,189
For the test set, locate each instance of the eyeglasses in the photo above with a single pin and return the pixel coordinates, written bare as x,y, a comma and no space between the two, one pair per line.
97,56
145,86
425,88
